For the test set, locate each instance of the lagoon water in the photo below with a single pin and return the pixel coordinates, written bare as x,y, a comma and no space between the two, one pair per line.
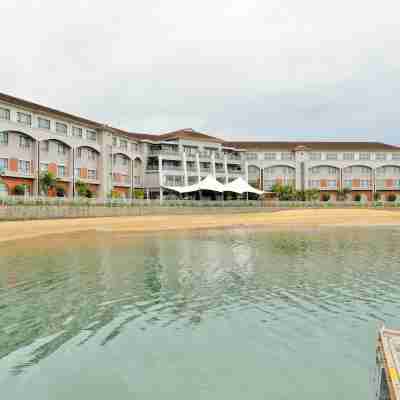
202,315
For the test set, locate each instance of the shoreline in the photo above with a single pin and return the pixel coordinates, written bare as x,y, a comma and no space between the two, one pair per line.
286,219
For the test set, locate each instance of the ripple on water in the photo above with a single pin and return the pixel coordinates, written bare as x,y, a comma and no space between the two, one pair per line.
242,301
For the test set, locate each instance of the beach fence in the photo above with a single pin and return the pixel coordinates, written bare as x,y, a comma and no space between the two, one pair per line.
28,208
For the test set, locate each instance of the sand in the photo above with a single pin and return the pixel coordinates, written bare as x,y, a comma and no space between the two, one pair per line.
288,219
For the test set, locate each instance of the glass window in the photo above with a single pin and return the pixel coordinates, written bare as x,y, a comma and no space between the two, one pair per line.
332,171
77,172
24,167
43,123
79,153
332,156
44,167
24,118
4,138
92,174
364,183
287,156
61,128
315,156
380,156
61,148
4,113
44,146
61,170
77,132
252,156
92,155
348,183
332,183
395,156
3,164
315,170
365,170
365,156
123,144
270,156
348,156
115,141
24,142
91,135
348,170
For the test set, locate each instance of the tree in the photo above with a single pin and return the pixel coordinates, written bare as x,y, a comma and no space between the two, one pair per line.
19,190
47,182
82,189
284,192
312,194
138,194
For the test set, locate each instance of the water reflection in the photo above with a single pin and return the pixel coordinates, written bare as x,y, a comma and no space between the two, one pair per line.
299,286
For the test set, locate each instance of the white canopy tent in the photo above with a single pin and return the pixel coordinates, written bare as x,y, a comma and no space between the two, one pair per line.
240,186
208,183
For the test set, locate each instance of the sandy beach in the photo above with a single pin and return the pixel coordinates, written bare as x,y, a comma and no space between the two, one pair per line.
281,219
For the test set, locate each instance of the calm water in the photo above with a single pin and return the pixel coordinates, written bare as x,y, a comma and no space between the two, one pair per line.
205,315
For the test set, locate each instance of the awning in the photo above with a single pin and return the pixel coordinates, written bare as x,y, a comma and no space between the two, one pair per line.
240,186
208,183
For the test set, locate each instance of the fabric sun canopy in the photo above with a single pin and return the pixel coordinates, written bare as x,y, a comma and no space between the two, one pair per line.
208,183
240,186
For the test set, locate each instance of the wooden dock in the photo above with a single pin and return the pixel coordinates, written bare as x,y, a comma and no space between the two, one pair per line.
388,365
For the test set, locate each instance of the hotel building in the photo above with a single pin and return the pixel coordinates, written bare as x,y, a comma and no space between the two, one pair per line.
35,138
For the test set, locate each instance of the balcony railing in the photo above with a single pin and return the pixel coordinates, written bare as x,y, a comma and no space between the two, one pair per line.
234,157
172,168
165,152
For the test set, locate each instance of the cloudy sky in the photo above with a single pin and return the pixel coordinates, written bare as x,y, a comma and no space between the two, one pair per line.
276,69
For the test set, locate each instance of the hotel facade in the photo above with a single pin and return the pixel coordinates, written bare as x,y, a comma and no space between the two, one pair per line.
35,139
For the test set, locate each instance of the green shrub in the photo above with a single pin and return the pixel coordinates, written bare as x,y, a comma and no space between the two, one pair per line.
20,190
325,197
391,197
357,197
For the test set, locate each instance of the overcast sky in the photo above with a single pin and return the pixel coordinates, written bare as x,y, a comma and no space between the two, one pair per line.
246,69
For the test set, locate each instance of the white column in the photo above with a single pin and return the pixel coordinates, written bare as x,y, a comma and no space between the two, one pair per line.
185,173
198,167
226,168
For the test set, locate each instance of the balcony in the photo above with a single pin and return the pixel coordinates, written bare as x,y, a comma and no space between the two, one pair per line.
172,168
168,152
235,157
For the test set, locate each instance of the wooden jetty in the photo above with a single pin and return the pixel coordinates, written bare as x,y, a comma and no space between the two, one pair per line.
388,365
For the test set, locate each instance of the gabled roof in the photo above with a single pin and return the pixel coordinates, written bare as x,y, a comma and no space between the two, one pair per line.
313,145
189,134
46,110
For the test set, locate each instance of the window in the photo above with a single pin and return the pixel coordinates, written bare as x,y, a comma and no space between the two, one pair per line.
137,180
61,171
44,167
4,138
365,170
332,183
91,135
4,113
314,184
364,183
348,183
77,132
365,156
44,146
348,156
315,170
123,144
348,170
91,154
115,141
134,147
124,161
24,167
3,164
252,156
395,156
287,156
24,142
380,156
331,156
77,172
24,118
61,148
315,156
270,156
92,174
79,153
332,171
61,128
43,123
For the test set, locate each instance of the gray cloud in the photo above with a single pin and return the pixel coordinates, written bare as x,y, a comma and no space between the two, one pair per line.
254,69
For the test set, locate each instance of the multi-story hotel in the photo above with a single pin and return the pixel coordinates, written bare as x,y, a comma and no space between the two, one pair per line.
35,138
